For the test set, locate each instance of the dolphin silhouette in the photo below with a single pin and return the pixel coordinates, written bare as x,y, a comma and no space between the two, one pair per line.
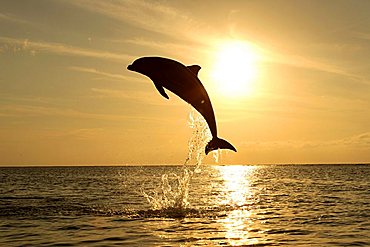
183,81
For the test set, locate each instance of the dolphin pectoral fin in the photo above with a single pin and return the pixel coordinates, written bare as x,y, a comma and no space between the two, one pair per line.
194,68
161,90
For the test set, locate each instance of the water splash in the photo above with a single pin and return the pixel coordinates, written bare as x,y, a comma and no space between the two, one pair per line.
200,136
173,192
217,155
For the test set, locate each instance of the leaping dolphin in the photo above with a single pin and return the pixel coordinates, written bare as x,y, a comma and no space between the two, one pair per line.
183,81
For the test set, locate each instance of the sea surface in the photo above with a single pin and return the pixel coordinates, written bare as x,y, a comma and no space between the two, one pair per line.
212,205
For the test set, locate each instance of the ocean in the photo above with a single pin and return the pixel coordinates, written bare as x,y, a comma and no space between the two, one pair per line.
208,205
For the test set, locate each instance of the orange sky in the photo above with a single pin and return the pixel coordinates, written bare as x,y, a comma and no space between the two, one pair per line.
66,97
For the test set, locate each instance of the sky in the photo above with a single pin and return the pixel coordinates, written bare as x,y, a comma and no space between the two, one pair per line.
66,97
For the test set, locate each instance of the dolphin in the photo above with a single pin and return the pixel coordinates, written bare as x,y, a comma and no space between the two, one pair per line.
184,82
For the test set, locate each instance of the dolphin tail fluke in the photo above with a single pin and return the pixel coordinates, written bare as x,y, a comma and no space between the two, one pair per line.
218,143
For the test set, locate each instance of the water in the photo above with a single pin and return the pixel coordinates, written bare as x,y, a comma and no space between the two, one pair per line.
275,205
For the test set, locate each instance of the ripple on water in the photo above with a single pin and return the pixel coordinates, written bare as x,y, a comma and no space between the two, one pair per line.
280,206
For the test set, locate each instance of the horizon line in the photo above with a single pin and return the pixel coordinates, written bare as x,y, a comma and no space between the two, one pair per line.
157,165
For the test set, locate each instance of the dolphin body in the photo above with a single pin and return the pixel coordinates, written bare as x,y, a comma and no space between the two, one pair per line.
183,81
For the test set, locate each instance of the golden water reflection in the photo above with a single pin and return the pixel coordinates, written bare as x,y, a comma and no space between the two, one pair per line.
236,196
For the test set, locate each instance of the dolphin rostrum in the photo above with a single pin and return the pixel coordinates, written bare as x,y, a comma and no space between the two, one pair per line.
183,81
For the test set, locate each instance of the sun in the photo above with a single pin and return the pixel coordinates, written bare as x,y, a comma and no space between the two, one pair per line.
235,69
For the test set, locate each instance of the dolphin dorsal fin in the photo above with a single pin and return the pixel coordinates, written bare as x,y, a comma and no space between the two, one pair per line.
194,68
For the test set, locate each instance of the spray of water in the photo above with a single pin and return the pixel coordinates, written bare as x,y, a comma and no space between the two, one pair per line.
174,190
199,138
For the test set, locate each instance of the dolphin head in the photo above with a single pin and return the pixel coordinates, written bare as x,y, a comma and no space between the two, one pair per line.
142,65
134,67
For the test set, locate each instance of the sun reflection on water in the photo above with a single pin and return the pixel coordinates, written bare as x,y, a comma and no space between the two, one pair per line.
237,196
236,189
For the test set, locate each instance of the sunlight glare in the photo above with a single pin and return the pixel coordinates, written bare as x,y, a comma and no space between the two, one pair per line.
236,184
237,195
235,69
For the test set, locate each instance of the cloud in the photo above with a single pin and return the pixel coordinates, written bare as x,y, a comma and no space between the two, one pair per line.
171,48
26,99
94,71
14,110
309,63
59,49
81,134
161,18
137,96
361,140
357,141
362,35
151,16
12,18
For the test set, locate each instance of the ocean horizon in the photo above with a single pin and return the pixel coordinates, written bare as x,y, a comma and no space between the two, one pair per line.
181,164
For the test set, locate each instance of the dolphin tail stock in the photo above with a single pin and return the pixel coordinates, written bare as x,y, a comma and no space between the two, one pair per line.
218,143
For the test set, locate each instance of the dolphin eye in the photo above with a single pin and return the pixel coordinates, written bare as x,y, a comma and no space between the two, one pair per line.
202,102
